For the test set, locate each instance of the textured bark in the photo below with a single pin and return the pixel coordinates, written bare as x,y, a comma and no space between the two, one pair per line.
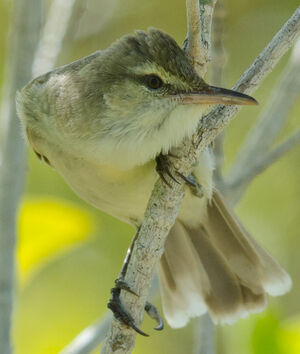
165,202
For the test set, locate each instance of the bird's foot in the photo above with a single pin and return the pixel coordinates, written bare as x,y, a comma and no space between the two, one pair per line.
196,188
123,316
153,313
163,168
117,308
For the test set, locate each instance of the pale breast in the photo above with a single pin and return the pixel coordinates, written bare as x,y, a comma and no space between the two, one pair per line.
121,193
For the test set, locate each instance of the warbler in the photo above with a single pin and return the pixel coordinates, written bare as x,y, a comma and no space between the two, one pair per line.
103,121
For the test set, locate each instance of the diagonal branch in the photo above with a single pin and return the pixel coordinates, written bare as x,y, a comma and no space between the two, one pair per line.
252,77
89,339
165,202
270,122
260,164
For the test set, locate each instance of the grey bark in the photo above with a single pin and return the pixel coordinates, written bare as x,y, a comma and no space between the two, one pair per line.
89,338
23,39
256,154
164,203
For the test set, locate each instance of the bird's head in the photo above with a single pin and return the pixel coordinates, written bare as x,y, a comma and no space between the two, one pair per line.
142,94
148,77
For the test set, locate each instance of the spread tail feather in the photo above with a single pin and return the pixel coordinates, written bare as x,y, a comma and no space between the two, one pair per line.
217,267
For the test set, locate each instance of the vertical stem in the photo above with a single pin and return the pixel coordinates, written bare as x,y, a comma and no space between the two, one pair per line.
217,69
25,34
204,336
199,18
200,14
59,27
218,53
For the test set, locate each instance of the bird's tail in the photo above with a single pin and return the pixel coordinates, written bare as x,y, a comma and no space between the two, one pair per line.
217,268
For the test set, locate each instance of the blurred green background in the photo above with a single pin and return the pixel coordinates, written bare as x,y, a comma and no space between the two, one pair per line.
69,253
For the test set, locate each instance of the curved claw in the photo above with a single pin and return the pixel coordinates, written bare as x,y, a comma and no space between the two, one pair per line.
139,331
160,326
153,313
163,169
119,312
121,284
190,180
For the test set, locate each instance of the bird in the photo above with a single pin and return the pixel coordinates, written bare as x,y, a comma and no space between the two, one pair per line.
104,123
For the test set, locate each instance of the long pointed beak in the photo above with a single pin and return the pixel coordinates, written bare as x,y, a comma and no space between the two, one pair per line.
216,95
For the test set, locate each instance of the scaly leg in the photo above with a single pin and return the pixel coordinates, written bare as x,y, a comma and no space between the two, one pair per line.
163,168
116,306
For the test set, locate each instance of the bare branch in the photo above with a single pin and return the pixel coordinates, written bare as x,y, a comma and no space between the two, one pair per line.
218,63
161,212
89,338
204,328
261,163
270,122
218,52
59,26
25,32
199,18
253,76
204,335
165,202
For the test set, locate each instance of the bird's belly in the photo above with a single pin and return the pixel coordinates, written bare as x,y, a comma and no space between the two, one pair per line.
120,193
125,193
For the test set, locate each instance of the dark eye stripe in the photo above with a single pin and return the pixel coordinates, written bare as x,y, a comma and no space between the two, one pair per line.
153,82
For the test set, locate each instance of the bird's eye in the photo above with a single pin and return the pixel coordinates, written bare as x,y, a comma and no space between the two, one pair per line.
153,82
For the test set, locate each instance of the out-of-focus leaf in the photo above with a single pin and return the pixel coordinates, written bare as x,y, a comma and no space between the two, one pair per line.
265,337
47,227
290,336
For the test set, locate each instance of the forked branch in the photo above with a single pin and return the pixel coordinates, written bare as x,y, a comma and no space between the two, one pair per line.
164,202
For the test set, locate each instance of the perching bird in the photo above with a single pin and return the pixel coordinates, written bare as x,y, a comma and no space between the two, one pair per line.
102,121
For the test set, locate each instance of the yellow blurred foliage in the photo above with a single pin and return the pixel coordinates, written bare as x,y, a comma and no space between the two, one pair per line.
47,227
289,336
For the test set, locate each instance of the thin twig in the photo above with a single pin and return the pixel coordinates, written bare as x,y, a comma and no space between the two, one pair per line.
165,202
60,25
204,336
218,63
252,77
261,163
25,32
90,337
270,122
218,52
199,18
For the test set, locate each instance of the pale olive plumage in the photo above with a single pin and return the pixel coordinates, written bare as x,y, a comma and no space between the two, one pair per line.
100,125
